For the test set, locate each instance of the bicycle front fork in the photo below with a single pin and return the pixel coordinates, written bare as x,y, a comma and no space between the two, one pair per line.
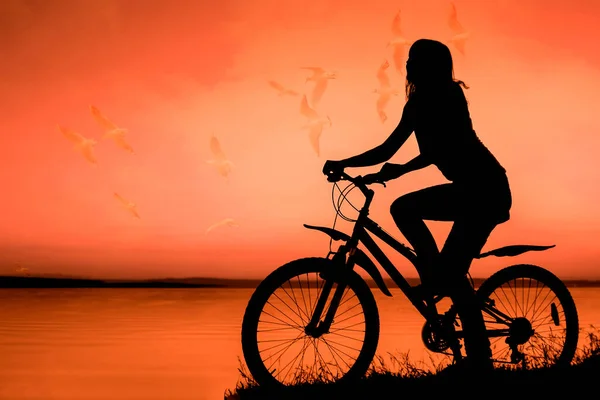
317,327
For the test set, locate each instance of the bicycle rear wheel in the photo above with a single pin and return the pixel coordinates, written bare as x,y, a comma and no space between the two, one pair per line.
545,327
275,345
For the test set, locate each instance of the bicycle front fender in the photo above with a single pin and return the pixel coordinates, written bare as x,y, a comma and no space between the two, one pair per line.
333,233
363,261
360,258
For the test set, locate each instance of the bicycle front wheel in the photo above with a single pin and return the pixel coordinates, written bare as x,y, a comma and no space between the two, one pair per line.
275,345
540,321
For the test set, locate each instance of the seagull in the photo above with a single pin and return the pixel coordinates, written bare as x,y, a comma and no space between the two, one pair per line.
399,43
128,205
282,89
82,144
460,34
315,124
220,161
112,131
321,78
385,90
226,222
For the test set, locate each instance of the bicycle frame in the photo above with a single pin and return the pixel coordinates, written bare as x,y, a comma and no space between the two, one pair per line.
360,234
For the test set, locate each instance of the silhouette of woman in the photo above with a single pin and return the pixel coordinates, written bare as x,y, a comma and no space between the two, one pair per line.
477,199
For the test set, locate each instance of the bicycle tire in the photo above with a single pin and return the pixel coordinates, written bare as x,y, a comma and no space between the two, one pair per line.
556,285
276,279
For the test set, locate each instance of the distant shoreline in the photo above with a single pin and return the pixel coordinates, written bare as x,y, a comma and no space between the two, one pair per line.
16,282
21,282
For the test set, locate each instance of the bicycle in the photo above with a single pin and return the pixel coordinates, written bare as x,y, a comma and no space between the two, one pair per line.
441,332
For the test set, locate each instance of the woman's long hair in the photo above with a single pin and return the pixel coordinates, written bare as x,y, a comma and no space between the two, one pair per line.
431,66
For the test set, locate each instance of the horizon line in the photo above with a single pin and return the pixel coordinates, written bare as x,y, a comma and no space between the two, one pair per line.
83,277
71,281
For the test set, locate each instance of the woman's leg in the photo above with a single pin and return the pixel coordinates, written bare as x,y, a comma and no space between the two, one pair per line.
447,202
466,239
436,203
484,206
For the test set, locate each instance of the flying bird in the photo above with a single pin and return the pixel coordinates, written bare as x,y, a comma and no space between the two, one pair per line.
321,78
315,124
282,90
111,131
460,34
398,43
130,206
385,90
230,222
82,144
220,161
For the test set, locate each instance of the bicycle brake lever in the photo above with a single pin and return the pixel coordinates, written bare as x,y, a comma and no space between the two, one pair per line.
381,183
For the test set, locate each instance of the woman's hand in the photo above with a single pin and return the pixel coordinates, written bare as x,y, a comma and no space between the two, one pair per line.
369,179
387,172
332,167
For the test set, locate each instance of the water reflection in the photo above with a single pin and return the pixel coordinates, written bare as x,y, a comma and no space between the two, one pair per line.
156,343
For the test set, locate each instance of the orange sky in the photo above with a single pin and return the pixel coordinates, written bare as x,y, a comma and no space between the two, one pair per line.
174,72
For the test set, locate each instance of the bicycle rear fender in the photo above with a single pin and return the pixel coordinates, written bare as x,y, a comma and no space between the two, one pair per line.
513,250
360,258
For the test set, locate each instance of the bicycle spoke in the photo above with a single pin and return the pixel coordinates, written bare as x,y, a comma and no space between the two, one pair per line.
310,307
291,309
284,350
324,363
347,328
343,345
295,302
292,361
302,293
332,350
346,336
274,329
281,322
346,319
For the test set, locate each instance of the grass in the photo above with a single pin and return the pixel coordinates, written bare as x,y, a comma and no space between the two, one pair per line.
401,377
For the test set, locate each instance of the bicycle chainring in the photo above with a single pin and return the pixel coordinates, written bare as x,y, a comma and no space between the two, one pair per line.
433,339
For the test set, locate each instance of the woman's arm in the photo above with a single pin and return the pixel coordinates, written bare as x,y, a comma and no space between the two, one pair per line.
391,171
387,149
419,162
